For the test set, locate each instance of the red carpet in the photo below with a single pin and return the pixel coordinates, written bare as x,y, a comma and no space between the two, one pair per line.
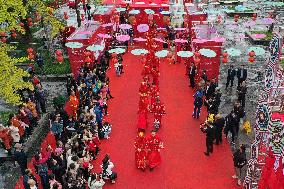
183,163
184,166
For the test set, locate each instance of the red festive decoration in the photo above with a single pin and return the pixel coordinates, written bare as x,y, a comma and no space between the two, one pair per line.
254,15
31,56
14,35
13,30
22,24
87,53
251,59
29,19
3,40
59,59
197,61
197,54
225,54
251,53
30,50
58,52
88,60
30,24
225,60
2,34
82,17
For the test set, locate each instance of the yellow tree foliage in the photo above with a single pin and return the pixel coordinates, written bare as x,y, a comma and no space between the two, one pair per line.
11,77
11,14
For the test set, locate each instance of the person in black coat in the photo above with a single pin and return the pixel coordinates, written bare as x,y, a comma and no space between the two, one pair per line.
21,157
240,160
219,124
232,125
192,72
241,91
210,136
241,74
211,89
231,76
217,98
204,76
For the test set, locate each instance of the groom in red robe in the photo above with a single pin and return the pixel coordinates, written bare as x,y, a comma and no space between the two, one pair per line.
154,144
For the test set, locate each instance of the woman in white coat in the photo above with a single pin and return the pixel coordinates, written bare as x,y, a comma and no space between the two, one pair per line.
107,167
95,182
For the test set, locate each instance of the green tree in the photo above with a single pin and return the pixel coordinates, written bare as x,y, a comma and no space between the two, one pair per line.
12,13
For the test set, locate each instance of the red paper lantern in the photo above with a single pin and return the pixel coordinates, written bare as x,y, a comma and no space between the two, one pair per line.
31,56
3,40
251,59
2,34
113,55
59,59
87,53
88,60
22,24
254,15
236,19
225,60
30,50
251,53
14,35
225,54
197,60
58,52
30,24
197,54
29,19
13,30
254,18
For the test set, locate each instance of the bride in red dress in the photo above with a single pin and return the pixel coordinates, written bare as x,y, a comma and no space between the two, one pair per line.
140,146
154,145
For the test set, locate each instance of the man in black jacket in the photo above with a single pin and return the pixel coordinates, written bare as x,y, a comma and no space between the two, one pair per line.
210,136
191,74
232,125
218,125
21,157
240,160
241,74
231,76
242,90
